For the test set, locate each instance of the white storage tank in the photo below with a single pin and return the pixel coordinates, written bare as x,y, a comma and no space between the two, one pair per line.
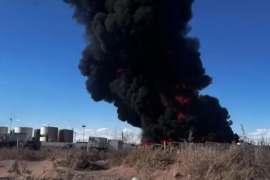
65,135
26,130
51,133
3,130
43,139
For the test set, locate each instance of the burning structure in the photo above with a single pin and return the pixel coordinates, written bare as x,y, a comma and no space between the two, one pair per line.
139,57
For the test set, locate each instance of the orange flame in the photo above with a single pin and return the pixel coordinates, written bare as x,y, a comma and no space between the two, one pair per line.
182,100
180,116
166,142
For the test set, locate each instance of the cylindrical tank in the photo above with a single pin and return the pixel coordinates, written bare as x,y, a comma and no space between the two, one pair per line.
37,134
27,130
43,139
3,130
65,135
50,132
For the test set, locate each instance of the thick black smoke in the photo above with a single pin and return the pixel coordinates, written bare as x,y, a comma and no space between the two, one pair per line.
140,58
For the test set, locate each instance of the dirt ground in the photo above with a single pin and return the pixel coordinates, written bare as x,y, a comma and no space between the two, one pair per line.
11,169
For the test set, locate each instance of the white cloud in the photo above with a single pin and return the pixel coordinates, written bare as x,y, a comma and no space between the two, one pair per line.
129,135
260,134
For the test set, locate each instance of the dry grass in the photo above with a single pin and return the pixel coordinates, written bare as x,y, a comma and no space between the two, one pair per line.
236,163
80,160
22,154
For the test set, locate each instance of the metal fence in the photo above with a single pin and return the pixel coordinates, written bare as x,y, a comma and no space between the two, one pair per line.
194,146
180,146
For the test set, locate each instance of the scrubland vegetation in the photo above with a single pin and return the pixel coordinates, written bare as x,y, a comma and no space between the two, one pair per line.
245,162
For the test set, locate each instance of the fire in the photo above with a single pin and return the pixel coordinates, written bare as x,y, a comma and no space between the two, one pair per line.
182,100
146,144
180,115
166,142
120,70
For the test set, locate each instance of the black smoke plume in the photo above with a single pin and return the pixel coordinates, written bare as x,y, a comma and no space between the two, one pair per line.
140,58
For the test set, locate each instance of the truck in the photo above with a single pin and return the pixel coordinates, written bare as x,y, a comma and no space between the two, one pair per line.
99,143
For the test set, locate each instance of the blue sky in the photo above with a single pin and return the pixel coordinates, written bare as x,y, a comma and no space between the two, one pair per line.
234,45
40,48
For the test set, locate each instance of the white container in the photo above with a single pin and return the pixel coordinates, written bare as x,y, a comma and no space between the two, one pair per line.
27,130
42,139
50,132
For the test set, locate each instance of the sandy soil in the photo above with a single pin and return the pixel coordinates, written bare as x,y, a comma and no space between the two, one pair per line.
46,170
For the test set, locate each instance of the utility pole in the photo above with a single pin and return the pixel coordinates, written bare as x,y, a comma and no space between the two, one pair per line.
83,126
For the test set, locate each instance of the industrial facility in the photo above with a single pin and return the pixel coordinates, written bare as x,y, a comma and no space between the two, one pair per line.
44,134
52,137
3,130
49,134
21,135
27,131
